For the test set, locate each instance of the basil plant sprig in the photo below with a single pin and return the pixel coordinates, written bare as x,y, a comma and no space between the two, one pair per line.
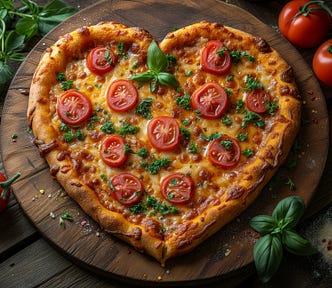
157,63
277,233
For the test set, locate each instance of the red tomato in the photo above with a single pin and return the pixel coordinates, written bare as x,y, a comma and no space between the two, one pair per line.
112,150
256,100
74,107
5,189
301,29
127,189
121,95
178,188
224,152
211,100
322,62
164,133
100,60
214,63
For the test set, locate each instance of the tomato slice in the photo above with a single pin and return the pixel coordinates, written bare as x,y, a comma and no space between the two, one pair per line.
256,100
74,107
164,133
211,100
214,63
112,150
178,188
224,152
121,95
126,188
100,60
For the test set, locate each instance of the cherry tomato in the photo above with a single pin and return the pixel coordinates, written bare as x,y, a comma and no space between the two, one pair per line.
256,100
322,63
224,152
178,188
112,150
126,188
5,189
74,107
100,60
211,100
164,133
215,63
302,25
121,95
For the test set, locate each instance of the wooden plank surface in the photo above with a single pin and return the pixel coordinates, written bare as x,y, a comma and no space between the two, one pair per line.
128,16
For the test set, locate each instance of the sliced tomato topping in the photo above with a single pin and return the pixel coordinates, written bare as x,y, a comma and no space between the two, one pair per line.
126,188
178,188
257,100
164,133
122,95
100,60
211,100
224,152
213,62
112,150
74,107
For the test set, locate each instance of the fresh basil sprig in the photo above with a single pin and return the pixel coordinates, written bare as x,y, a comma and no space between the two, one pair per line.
277,233
157,63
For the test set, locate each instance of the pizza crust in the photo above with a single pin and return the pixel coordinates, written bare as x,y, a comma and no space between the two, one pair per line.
246,180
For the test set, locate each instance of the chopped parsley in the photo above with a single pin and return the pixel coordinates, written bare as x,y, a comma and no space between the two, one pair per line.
193,148
79,135
254,118
210,137
272,107
152,202
108,127
290,184
155,166
242,137
228,144
226,120
103,177
127,149
240,106
64,127
184,101
221,51
188,73
65,216
143,152
252,84
144,108
108,56
185,133
127,128
237,55
230,77
68,137
61,77
248,152
172,60
121,52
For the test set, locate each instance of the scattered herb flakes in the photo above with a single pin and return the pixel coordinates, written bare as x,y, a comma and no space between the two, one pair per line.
127,128
185,133
254,118
248,152
290,184
226,120
143,152
272,107
65,216
240,107
242,137
155,166
188,73
184,101
108,127
228,144
211,137
237,55
193,148
252,84
144,108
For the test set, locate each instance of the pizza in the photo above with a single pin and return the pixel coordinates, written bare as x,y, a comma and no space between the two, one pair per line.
162,144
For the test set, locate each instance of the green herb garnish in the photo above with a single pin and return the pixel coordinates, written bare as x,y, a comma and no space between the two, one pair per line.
248,152
211,137
144,108
252,84
184,101
254,118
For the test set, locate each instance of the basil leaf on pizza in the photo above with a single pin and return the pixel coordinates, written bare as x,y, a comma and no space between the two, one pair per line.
164,143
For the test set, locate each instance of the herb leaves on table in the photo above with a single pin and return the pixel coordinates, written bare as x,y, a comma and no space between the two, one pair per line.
277,233
19,25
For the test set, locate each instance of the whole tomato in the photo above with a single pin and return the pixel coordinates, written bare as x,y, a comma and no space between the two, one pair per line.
303,24
5,189
322,62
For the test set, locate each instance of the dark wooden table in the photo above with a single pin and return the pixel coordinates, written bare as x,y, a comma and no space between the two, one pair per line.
27,260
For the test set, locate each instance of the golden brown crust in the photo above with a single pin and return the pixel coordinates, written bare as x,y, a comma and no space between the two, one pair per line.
221,195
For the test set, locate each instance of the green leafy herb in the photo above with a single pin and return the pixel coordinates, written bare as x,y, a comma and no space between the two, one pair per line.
228,144
184,101
143,152
272,107
248,152
254,118
188,73
159,206
144,108
193,148
155,166
277,232
65,216
29,20
68,137
240,108
237,55
108,127
185,133
138,208
79,135
221,51
252,84
127,128
230,77
121,52
157,63
127,149
226,120
210,137
242,137
291,184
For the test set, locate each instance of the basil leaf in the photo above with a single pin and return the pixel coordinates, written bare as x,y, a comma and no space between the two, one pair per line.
167,79
153,85
268,253
296,244
289,211
263,224
5,73
144,77
14,42
157,60
27,26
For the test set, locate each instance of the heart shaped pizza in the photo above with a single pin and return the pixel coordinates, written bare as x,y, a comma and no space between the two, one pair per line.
163,144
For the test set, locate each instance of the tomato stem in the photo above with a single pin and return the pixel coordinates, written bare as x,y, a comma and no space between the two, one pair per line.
305,10
6,184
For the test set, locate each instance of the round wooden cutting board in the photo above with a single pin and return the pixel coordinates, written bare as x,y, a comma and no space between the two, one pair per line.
223,256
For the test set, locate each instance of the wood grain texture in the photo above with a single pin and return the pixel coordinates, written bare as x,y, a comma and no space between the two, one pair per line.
103,254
